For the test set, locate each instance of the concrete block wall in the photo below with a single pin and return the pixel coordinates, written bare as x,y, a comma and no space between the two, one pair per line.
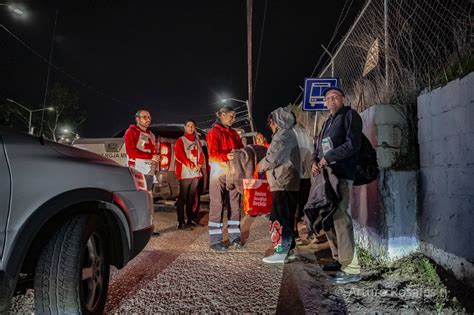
446,138
384,211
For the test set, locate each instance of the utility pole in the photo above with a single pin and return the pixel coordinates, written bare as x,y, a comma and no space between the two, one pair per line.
385,20
249,62
49,71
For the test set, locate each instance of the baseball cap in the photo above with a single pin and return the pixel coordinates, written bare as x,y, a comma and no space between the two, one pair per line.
333,88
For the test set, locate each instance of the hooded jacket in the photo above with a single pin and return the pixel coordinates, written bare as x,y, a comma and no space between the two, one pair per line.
221,141
282,162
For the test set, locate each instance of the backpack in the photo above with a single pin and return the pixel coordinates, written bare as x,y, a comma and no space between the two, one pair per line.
367,166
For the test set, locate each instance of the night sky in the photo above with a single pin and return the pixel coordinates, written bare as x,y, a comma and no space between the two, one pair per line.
176,58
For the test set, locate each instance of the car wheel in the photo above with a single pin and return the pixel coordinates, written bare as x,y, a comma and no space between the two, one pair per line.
72,273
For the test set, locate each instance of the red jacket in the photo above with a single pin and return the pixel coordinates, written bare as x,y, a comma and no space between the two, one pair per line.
221,141
186,156
139,144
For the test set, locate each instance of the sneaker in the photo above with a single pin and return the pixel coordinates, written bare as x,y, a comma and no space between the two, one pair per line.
156,233
183,226
275,259
342,277
218,247
291,255
334,266
237,244
192,223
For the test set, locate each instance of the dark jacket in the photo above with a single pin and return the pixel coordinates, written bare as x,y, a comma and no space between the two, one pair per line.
323,199
344,128
243,165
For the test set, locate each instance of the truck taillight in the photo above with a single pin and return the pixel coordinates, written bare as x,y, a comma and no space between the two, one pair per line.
139,179
165,152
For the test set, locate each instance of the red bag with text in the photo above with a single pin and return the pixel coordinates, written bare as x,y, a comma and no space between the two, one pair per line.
257,197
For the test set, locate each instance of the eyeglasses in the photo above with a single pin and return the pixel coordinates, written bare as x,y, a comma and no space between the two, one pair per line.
332,97
145,117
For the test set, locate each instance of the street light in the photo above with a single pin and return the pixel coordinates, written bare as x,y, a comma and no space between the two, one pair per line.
30,111
64,136
246,102
13,9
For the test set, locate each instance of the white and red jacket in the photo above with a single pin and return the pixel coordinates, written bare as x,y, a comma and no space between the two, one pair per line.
188,154
221,141
140,147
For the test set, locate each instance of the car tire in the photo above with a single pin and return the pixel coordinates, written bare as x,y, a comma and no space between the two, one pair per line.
72,273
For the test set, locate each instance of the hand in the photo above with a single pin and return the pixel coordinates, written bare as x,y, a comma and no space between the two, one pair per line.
197,169
230,156
156,158
315,168
323,163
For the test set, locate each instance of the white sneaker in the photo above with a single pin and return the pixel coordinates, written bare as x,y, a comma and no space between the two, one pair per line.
291,255
275,259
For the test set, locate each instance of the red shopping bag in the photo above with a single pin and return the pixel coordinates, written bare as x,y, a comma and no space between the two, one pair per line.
257,198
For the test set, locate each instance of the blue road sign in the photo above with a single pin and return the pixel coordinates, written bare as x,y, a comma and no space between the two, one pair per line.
313,92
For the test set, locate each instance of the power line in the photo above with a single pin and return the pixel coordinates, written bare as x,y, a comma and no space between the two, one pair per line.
259,52
87,86
340,21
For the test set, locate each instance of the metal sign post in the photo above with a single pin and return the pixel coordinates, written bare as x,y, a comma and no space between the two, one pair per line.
313,99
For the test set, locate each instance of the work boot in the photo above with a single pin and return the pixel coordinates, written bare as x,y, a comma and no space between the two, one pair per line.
218,247
275,259
334,266
342,277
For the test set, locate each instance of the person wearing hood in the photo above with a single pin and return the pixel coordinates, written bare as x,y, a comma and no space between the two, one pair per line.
282,167
189,162
140,145
222,140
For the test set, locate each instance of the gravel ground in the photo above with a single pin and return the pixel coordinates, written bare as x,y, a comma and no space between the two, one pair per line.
177,272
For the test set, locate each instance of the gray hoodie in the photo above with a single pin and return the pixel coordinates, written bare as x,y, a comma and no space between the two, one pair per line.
282,162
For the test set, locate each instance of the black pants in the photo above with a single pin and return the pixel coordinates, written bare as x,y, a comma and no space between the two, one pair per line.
186,199
303,194
301,200
282,220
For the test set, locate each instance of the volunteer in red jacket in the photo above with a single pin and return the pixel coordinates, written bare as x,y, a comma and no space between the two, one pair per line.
221,141
189,162
140,145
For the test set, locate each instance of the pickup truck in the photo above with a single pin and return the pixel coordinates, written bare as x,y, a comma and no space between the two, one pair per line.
166,185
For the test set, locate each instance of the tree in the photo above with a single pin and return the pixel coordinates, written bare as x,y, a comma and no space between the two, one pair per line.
66,111
11,115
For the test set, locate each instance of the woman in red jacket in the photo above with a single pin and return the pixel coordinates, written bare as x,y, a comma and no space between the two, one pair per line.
221,142
189,161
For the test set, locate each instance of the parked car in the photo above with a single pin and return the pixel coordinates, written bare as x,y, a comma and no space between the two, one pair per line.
66,215
166,185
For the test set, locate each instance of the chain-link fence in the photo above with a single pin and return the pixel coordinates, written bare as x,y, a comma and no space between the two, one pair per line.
397,47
